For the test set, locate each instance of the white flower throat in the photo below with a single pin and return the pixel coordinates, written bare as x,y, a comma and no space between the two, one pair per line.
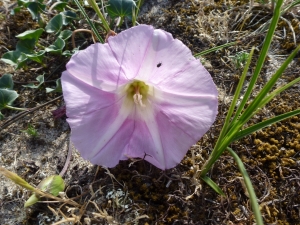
138,91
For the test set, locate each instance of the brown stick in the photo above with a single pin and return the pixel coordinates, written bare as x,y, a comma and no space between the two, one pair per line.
24,113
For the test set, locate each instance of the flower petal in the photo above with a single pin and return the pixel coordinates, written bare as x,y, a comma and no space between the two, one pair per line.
101,136
146,142
175,140
97,59
130,48
96,119
168,130
165,57
82,98
192,115
193,80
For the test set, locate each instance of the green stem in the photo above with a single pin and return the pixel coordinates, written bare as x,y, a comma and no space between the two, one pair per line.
234,101
69,7
40,46
89,21
16,108
216,153
135,12
100,15
250,189
121,21
16,179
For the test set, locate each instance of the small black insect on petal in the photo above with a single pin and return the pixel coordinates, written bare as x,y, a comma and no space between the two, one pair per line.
159,64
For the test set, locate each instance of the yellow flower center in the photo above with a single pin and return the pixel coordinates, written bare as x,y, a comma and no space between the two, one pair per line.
137,91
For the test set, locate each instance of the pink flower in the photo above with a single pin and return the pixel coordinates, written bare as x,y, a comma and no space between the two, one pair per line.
142,95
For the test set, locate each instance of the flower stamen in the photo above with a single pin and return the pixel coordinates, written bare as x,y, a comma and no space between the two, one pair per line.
138,91
137,98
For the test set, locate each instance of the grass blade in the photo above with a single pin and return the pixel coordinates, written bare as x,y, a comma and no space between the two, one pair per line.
278,91
89,21
250,189
237,123
234,101
260,99
265,123
261,58
213,185
215,49
100,15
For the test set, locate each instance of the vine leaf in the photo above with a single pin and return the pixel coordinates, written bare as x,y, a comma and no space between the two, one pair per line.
31,34
120,8
7,95
58,87
39,78
55,24
6,82
56,47
14,58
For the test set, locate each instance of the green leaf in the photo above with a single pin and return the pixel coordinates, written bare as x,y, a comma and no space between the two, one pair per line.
57,46
213,185
58,87
65,34
7,97
259,65
258,126
6,82
52,185
15,10
261,100
136,11
31,201
67,53
60,6
26,46
239,59
31,131
55,24
214,49
277,91
70,53
68,16
1,116
234,101
249,186
37,56
40,79
31,34
237,121
120,8
23,2
35,8
26,2
14,58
